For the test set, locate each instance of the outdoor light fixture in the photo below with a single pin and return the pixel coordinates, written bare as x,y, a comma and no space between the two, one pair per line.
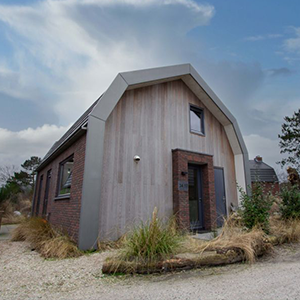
184,173
136,158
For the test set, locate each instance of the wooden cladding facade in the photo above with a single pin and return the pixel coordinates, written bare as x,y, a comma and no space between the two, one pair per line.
150,122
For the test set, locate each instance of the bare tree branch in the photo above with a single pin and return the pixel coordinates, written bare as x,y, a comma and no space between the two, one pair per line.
6,172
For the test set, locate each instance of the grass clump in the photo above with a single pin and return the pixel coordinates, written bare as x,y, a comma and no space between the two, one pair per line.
248,243
151,241
285,231
49,242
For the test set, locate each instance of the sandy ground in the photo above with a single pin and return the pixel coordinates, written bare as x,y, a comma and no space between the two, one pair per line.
25,275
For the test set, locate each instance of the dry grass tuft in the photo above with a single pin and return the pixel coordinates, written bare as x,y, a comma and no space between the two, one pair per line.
49,242
234,238
234,244
12,219
110,245
285,231
151,241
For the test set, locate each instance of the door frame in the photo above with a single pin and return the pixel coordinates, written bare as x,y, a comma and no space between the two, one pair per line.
180,160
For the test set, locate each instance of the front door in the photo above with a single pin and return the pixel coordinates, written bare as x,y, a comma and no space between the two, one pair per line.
195,198
220,196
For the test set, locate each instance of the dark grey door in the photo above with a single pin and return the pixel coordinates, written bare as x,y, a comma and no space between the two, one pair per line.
195,198
220,196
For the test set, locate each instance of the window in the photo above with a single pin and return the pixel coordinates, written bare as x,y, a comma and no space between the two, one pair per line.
196,120
65,176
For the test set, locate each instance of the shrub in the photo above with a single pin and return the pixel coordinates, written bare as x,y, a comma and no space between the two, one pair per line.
151,240
49,242
290,205
255,208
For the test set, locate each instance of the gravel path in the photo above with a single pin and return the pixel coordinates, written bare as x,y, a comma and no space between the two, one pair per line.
24,275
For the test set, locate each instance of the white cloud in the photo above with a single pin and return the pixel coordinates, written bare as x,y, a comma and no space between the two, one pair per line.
205,9
16,147
293,44
67,52
263,37
73,49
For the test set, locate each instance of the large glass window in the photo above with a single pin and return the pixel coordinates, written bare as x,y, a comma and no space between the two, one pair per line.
196,120
65,176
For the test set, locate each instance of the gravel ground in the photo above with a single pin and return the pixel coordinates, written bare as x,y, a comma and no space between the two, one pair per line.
24,275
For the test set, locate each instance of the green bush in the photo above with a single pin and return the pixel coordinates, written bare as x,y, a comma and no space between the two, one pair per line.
255,208
290,206
151,240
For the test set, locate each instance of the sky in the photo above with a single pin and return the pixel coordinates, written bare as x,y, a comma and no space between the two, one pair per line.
58,56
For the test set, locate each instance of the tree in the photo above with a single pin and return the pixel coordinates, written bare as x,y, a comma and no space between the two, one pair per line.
30,166
17,183
6,172
290,141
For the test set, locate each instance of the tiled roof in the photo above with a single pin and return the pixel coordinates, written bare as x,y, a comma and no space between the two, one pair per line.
260,171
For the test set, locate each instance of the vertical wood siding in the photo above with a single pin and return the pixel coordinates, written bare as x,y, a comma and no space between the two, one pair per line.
150,122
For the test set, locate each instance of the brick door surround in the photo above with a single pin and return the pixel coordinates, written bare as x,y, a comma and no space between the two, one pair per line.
181,160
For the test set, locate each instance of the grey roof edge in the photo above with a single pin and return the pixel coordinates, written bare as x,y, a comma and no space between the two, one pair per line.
212,94
153,74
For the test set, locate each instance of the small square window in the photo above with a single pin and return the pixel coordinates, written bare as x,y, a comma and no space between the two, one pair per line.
65,176
196,120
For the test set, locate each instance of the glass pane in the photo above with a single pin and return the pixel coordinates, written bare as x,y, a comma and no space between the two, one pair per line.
193,198
66,177
196,124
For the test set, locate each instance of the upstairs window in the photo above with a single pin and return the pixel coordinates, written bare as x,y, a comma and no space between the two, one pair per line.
65,176
196,120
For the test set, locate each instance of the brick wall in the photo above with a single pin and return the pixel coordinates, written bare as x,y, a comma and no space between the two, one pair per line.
64,213
272,187
181,160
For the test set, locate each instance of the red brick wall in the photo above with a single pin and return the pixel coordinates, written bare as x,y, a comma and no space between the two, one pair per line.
64,213
181,159
272,187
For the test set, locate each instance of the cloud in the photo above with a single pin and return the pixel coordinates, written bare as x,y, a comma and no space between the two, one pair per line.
16,147
71,50
262,37
65,53
280,72
293,44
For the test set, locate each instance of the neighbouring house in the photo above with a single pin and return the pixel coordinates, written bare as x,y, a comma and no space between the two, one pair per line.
156,138
263,174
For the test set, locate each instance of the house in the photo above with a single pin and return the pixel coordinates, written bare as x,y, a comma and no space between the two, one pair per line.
156,138
264,174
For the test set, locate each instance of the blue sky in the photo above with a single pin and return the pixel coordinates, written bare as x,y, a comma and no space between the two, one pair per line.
58,56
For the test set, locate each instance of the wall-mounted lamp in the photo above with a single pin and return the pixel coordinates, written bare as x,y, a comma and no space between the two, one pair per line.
184,173
136,158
